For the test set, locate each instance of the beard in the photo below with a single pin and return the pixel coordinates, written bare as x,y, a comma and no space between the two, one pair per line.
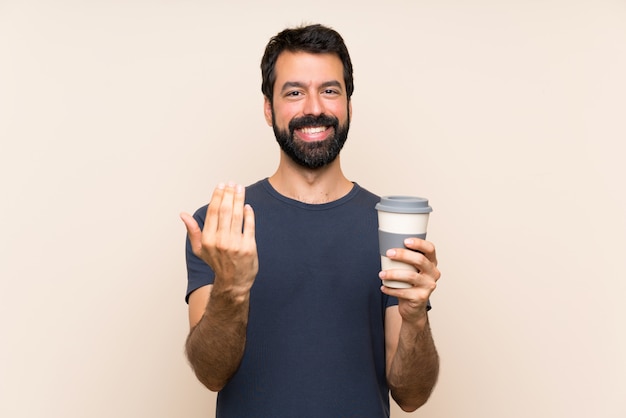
315,154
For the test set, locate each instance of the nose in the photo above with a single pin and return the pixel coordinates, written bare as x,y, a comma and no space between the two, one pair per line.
313,105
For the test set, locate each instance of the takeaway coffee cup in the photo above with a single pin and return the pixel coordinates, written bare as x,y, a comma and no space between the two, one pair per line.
400,217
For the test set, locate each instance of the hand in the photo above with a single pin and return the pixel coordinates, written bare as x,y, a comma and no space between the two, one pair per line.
227,241
413,301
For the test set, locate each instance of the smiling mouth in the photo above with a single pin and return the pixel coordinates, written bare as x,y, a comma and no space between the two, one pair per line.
314,133
313,129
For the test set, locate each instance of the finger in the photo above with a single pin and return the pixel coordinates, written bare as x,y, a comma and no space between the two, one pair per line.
417,298
226,210
238,210
426,267
398,274
249,225
412,257
425,247
422,282
212,214
193,231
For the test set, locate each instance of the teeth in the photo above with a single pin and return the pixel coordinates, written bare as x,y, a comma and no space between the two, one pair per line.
314,130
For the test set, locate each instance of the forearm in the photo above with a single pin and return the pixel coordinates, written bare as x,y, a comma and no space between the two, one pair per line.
414,367
216,344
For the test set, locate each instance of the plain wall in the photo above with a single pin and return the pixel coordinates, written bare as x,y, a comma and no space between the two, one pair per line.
508,115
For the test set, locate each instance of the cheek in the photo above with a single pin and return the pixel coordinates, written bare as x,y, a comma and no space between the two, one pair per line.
284,114
340,110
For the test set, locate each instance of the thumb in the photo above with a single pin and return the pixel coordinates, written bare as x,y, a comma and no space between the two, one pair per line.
193,230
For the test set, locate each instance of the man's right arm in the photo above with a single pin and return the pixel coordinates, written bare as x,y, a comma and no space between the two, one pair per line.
218,313
217,336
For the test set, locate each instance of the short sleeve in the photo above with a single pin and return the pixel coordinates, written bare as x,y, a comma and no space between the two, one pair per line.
392,301
198,272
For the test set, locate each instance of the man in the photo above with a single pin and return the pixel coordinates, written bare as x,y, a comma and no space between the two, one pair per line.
287,313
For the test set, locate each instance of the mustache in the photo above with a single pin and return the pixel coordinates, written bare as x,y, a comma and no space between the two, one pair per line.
311,120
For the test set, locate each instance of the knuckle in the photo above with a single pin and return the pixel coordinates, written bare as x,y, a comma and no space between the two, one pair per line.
213,208
223,210
222,245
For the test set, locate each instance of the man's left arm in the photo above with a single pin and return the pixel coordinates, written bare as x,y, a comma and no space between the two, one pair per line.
412,359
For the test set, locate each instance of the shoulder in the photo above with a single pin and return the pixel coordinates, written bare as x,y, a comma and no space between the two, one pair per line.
364,197
258,190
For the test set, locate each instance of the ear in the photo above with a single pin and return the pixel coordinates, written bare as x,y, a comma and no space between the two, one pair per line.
267,110
350,109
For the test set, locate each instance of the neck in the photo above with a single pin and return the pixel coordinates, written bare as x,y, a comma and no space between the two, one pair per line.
314,186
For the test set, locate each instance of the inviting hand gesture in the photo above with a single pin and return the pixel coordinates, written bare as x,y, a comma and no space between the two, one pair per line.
227,241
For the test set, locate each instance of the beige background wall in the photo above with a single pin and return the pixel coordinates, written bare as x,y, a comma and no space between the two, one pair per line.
509,115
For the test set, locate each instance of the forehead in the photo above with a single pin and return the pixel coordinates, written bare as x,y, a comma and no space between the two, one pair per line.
308,68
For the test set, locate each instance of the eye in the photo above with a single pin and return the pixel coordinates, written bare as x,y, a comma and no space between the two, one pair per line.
294,93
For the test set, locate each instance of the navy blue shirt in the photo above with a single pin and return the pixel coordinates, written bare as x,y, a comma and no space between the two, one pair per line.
315,343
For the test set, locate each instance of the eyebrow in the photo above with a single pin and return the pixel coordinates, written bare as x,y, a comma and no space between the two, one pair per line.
297,84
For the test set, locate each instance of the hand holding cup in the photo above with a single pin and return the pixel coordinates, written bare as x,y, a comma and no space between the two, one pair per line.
399,218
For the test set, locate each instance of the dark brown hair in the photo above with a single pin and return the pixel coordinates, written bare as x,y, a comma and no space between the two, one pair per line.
316,39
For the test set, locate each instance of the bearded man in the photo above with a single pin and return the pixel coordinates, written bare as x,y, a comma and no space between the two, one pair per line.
288,317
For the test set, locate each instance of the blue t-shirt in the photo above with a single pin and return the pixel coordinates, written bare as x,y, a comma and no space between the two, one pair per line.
315,342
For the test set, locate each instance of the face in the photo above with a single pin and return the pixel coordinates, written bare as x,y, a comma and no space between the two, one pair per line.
310,113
